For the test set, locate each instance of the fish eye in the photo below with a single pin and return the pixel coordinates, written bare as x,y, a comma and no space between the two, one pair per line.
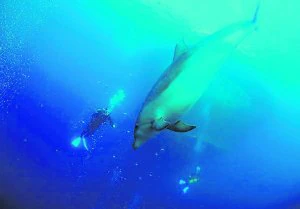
136,126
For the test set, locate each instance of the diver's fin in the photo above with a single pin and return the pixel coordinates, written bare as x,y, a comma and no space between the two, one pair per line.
185,189
76,142
180,48
180,127
160,124
84,144
182,182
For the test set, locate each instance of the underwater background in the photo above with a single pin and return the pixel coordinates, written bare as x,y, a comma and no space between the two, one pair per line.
61,60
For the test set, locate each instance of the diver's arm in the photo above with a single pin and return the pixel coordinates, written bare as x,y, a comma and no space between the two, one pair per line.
111,122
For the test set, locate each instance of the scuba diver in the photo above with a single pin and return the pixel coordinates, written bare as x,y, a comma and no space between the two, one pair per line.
192,179
99,118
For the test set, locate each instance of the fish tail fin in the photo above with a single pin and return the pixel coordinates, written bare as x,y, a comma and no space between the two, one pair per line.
254,19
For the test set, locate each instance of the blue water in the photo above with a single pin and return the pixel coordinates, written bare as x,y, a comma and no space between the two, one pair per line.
58,66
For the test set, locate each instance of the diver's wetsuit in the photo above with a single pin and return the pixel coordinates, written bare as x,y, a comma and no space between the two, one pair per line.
99,118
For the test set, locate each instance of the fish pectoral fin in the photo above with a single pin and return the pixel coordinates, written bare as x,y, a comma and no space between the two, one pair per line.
160,124
180,127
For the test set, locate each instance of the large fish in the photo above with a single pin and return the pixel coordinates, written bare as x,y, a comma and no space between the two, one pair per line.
185,81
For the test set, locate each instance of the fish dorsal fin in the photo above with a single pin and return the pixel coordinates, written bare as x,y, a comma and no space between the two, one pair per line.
180,49
190,39
180,127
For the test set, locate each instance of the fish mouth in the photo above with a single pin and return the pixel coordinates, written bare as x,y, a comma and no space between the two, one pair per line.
134,146
136,134
141,134
135,137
